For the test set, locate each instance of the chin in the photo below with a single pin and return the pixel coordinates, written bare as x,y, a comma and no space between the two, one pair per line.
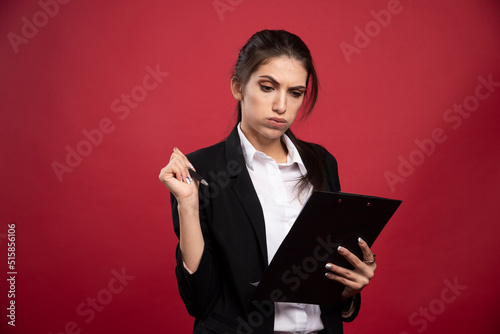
273,133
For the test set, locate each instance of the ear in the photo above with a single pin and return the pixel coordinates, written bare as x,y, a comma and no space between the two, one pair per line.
236,89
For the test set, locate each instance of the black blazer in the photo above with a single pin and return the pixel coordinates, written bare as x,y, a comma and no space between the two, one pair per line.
235,254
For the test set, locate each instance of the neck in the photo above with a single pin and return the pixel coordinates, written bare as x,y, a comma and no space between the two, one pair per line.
274,148
277,150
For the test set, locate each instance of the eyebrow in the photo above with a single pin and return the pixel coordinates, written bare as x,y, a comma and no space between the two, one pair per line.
277,83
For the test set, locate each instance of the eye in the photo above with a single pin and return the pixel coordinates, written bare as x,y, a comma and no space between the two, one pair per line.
296,93
265,88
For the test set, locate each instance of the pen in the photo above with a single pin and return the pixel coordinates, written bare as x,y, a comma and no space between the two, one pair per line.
198,177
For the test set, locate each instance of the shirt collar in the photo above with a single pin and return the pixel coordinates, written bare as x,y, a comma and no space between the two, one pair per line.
249,152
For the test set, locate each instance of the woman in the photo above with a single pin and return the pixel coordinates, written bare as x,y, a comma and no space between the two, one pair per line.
259,179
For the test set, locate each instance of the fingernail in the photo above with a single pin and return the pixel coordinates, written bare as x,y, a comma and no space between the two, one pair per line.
327,274
329,266
188,180
341,249
191,166
175,148
360,240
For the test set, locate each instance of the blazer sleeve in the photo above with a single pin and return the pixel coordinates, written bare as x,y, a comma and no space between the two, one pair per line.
201,289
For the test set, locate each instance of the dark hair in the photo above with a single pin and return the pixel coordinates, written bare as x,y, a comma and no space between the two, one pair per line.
260,49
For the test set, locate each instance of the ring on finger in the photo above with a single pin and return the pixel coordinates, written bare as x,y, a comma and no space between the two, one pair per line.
370,262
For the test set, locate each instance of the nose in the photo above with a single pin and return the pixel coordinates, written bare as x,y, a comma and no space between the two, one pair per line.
279,105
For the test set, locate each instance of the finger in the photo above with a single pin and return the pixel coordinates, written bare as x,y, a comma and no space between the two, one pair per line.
343,272
186,161
353,259
162,175
176,154
349,278
363,268
183,163
339,271
184,172
184,158
367,253
175,170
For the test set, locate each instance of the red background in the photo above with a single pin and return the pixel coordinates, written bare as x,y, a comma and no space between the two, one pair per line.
111,212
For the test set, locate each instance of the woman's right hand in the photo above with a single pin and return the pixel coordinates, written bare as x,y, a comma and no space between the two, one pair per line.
175,176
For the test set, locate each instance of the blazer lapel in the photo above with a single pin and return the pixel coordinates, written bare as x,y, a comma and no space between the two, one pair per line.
243,189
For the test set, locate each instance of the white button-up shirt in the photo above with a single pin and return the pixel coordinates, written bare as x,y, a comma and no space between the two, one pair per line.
281,203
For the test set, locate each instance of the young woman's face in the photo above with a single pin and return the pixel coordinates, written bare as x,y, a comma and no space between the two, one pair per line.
271,99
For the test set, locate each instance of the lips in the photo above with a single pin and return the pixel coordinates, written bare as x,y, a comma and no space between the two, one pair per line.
278,123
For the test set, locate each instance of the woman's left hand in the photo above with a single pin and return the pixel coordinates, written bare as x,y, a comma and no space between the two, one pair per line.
358,278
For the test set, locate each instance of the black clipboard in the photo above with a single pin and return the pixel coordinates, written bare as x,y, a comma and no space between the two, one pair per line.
327,220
